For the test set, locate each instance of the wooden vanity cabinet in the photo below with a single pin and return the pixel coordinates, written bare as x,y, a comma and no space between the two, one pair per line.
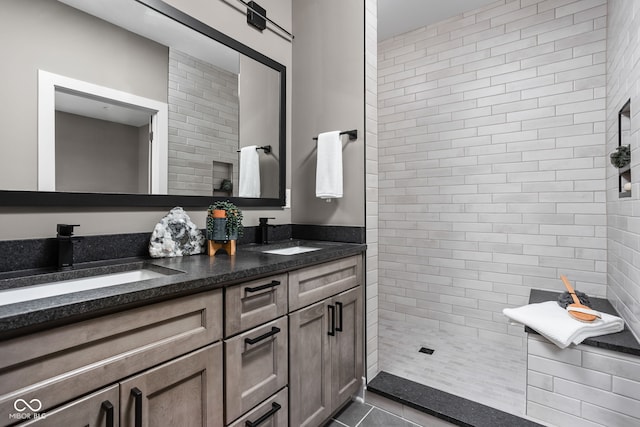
165,346
326,350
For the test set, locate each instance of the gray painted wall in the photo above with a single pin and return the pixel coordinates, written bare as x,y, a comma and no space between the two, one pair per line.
328,95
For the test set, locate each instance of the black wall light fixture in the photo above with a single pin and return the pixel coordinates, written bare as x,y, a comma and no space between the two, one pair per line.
256,16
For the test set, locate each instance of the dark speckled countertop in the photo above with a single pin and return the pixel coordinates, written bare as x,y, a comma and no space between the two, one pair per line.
195,274
622,341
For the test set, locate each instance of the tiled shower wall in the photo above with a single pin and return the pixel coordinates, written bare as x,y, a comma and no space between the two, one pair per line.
203,124
492,163
371,182
623,247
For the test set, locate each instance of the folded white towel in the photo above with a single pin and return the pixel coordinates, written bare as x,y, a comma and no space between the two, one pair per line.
249,172
329,166
556,324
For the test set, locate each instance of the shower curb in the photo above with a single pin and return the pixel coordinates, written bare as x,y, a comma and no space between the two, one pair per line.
443,405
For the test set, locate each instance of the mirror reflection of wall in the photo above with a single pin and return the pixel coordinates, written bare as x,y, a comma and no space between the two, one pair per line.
101,156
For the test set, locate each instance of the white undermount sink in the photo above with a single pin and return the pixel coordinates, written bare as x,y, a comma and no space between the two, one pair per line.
292,250
44,290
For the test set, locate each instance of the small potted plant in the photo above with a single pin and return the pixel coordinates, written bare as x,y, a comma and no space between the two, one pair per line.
224,221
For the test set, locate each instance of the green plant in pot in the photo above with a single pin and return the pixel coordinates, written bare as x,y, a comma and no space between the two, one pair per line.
621,157
224,226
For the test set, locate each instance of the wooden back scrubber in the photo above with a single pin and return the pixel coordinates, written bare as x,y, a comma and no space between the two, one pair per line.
589,316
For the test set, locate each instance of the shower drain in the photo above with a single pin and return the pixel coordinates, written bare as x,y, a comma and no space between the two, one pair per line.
426,350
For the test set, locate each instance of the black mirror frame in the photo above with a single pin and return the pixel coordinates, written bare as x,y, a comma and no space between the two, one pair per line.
66,199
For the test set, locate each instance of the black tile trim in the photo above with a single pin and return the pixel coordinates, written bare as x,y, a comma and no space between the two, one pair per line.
332,233
443,405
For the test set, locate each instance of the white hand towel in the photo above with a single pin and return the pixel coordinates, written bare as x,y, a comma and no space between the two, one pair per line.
329,166
249,172
556,324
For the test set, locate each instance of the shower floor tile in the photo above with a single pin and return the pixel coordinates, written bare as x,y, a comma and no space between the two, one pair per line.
478,370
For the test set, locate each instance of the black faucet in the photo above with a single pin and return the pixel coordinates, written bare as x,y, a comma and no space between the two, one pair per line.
65,245
264,230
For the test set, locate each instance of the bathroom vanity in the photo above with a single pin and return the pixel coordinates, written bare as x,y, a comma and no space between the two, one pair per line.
233,341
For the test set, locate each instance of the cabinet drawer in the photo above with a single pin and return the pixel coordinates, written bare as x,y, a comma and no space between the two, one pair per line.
313,284
256,366
273,412
57,365
253,303
95,410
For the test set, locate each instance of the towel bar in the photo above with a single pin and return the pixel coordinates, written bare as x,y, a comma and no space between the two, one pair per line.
353,134
266,148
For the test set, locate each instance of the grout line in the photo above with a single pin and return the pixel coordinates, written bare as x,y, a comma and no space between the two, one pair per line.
339,422
397,416
365,416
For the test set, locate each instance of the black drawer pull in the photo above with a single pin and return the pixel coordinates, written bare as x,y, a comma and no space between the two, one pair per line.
339,327
274,408
264,336
137,395
265,286
108,409
332,315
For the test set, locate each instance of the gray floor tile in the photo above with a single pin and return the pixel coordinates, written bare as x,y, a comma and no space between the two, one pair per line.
353,413
379,418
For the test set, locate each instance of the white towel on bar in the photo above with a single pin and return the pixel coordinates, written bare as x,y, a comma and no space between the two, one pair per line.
329,166
249,172
556,324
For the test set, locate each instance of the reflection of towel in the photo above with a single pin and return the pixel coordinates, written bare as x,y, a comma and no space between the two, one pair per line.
249,172
554,323
329,166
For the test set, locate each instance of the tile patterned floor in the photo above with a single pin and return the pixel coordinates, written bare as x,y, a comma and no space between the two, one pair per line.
485,372
358,414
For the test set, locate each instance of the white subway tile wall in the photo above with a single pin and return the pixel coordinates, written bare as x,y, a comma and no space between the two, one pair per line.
371,155
623,215
492,166
582,385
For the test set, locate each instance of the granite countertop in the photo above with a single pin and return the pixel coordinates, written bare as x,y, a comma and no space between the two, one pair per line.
196,273
622,341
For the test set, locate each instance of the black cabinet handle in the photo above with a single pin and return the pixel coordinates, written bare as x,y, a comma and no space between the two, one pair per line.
274,408
265,286
264,336
108,410
332,315
137,395
339,327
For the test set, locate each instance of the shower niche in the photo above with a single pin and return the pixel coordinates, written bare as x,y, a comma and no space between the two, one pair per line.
621,158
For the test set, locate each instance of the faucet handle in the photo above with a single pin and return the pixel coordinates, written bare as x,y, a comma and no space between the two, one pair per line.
66,230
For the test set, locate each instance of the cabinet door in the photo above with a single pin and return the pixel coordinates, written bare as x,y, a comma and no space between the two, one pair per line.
310,369
185,392
99,409
346,347
256,366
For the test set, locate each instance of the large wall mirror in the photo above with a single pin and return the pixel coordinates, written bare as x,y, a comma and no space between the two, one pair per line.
134,103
